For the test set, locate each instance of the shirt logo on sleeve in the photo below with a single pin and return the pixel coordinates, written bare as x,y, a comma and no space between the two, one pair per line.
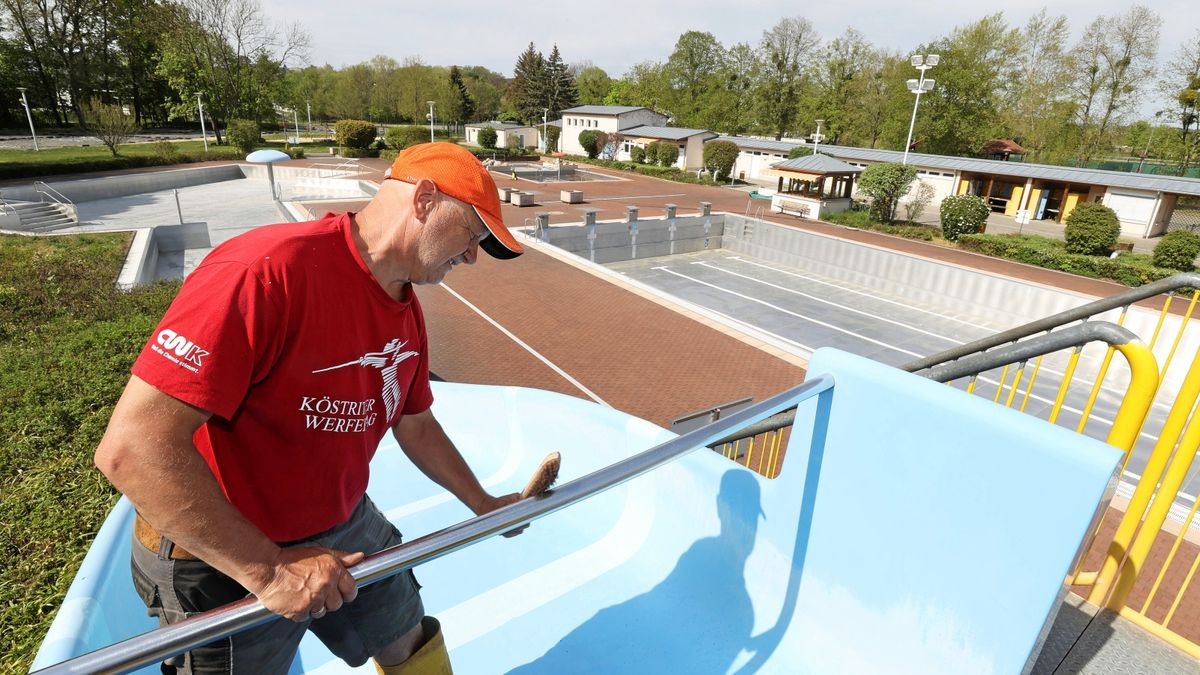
386,361
179,350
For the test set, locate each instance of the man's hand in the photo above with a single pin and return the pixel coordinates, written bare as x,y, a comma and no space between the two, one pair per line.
490,503
308,581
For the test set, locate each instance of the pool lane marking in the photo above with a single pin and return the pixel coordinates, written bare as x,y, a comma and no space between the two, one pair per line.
790,312
537,355
851,290
828,302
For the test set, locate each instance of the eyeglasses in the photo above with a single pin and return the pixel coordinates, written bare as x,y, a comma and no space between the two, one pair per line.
476,237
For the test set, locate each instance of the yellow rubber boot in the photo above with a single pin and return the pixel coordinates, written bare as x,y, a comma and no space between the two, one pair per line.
430,659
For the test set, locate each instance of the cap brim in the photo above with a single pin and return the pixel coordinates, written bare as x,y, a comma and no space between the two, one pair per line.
501,243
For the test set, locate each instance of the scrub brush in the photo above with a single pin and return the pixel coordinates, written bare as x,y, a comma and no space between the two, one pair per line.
544,477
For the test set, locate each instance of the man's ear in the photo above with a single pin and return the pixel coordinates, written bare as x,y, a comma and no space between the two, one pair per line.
424,198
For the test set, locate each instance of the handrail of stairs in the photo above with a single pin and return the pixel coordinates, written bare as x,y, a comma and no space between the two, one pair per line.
45,190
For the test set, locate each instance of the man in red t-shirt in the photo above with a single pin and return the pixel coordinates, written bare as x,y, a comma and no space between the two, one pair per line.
244,436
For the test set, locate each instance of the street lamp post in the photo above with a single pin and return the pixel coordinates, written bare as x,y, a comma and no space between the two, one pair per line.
816,138
308,109
918,87
545,116
296,123
430,120
29,116
203,130
1154,127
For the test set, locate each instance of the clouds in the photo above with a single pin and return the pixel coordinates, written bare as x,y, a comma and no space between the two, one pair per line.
617,34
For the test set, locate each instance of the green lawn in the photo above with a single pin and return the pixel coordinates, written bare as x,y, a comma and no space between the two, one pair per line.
67,339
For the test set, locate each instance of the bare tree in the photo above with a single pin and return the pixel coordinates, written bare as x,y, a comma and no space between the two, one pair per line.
1037,109
1114,59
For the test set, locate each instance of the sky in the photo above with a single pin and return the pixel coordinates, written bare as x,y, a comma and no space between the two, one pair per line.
616,34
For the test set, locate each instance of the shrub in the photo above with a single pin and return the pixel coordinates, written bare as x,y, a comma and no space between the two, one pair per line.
1131,270
388,155
590,140
487,138
667,154
719,158
885,183
354,133
1177,251
637,154
166,151
358,153
243,135
110,123
295,152
862,220
552,134
799,151
399,138
1092,229
963,214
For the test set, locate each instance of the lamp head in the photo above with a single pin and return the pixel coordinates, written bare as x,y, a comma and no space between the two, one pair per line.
927,85
932,59
917,60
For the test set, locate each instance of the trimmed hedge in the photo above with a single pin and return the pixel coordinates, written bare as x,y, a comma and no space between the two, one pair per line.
861,220
1177,251
664,172
35,168
720,157
1092,229
1128,269
354,133
589,140
399,138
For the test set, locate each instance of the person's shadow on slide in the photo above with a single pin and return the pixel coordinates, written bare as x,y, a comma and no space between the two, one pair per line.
695,621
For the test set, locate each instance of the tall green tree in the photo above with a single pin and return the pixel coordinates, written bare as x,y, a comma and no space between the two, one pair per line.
840,63
593,84
964,110
692,70
1037,107
1180,85
462,106
784,53
730,106
561,92
529,89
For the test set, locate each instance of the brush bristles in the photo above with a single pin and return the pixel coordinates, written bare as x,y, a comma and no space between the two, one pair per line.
544,477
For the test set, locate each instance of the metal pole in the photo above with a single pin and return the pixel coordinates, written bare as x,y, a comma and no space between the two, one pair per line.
912,123
203,131
178,209
308,108
430,120
296,122
29,116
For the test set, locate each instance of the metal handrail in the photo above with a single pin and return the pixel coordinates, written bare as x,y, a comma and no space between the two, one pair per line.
178,638
1072,336
1123,299
44,189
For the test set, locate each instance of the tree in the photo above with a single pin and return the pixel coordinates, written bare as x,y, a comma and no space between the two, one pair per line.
1114,57
589,140
692,71
552,134
560,87
462,107
593,85
719,157
1036,111
963,111
1180,86
731,107
529,89
784,52
109,123
885,183
840,64
487,138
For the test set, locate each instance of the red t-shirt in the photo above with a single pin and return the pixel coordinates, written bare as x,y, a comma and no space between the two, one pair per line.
305,362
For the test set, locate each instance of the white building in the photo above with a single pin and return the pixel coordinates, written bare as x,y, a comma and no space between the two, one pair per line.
508,134
606,118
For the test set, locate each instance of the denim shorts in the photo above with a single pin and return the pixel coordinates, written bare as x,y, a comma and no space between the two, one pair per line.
176,589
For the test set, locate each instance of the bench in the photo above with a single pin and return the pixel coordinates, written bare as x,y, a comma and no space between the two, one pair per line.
799,210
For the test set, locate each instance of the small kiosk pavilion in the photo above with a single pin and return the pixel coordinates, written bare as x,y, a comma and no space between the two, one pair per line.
812,185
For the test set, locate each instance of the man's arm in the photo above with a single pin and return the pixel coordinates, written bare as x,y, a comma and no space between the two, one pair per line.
426,444
148,454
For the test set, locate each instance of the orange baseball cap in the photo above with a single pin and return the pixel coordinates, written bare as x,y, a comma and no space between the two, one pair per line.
459,174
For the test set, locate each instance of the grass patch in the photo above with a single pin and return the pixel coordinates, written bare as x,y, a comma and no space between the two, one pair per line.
861,220
67,339
56,161
1131,269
